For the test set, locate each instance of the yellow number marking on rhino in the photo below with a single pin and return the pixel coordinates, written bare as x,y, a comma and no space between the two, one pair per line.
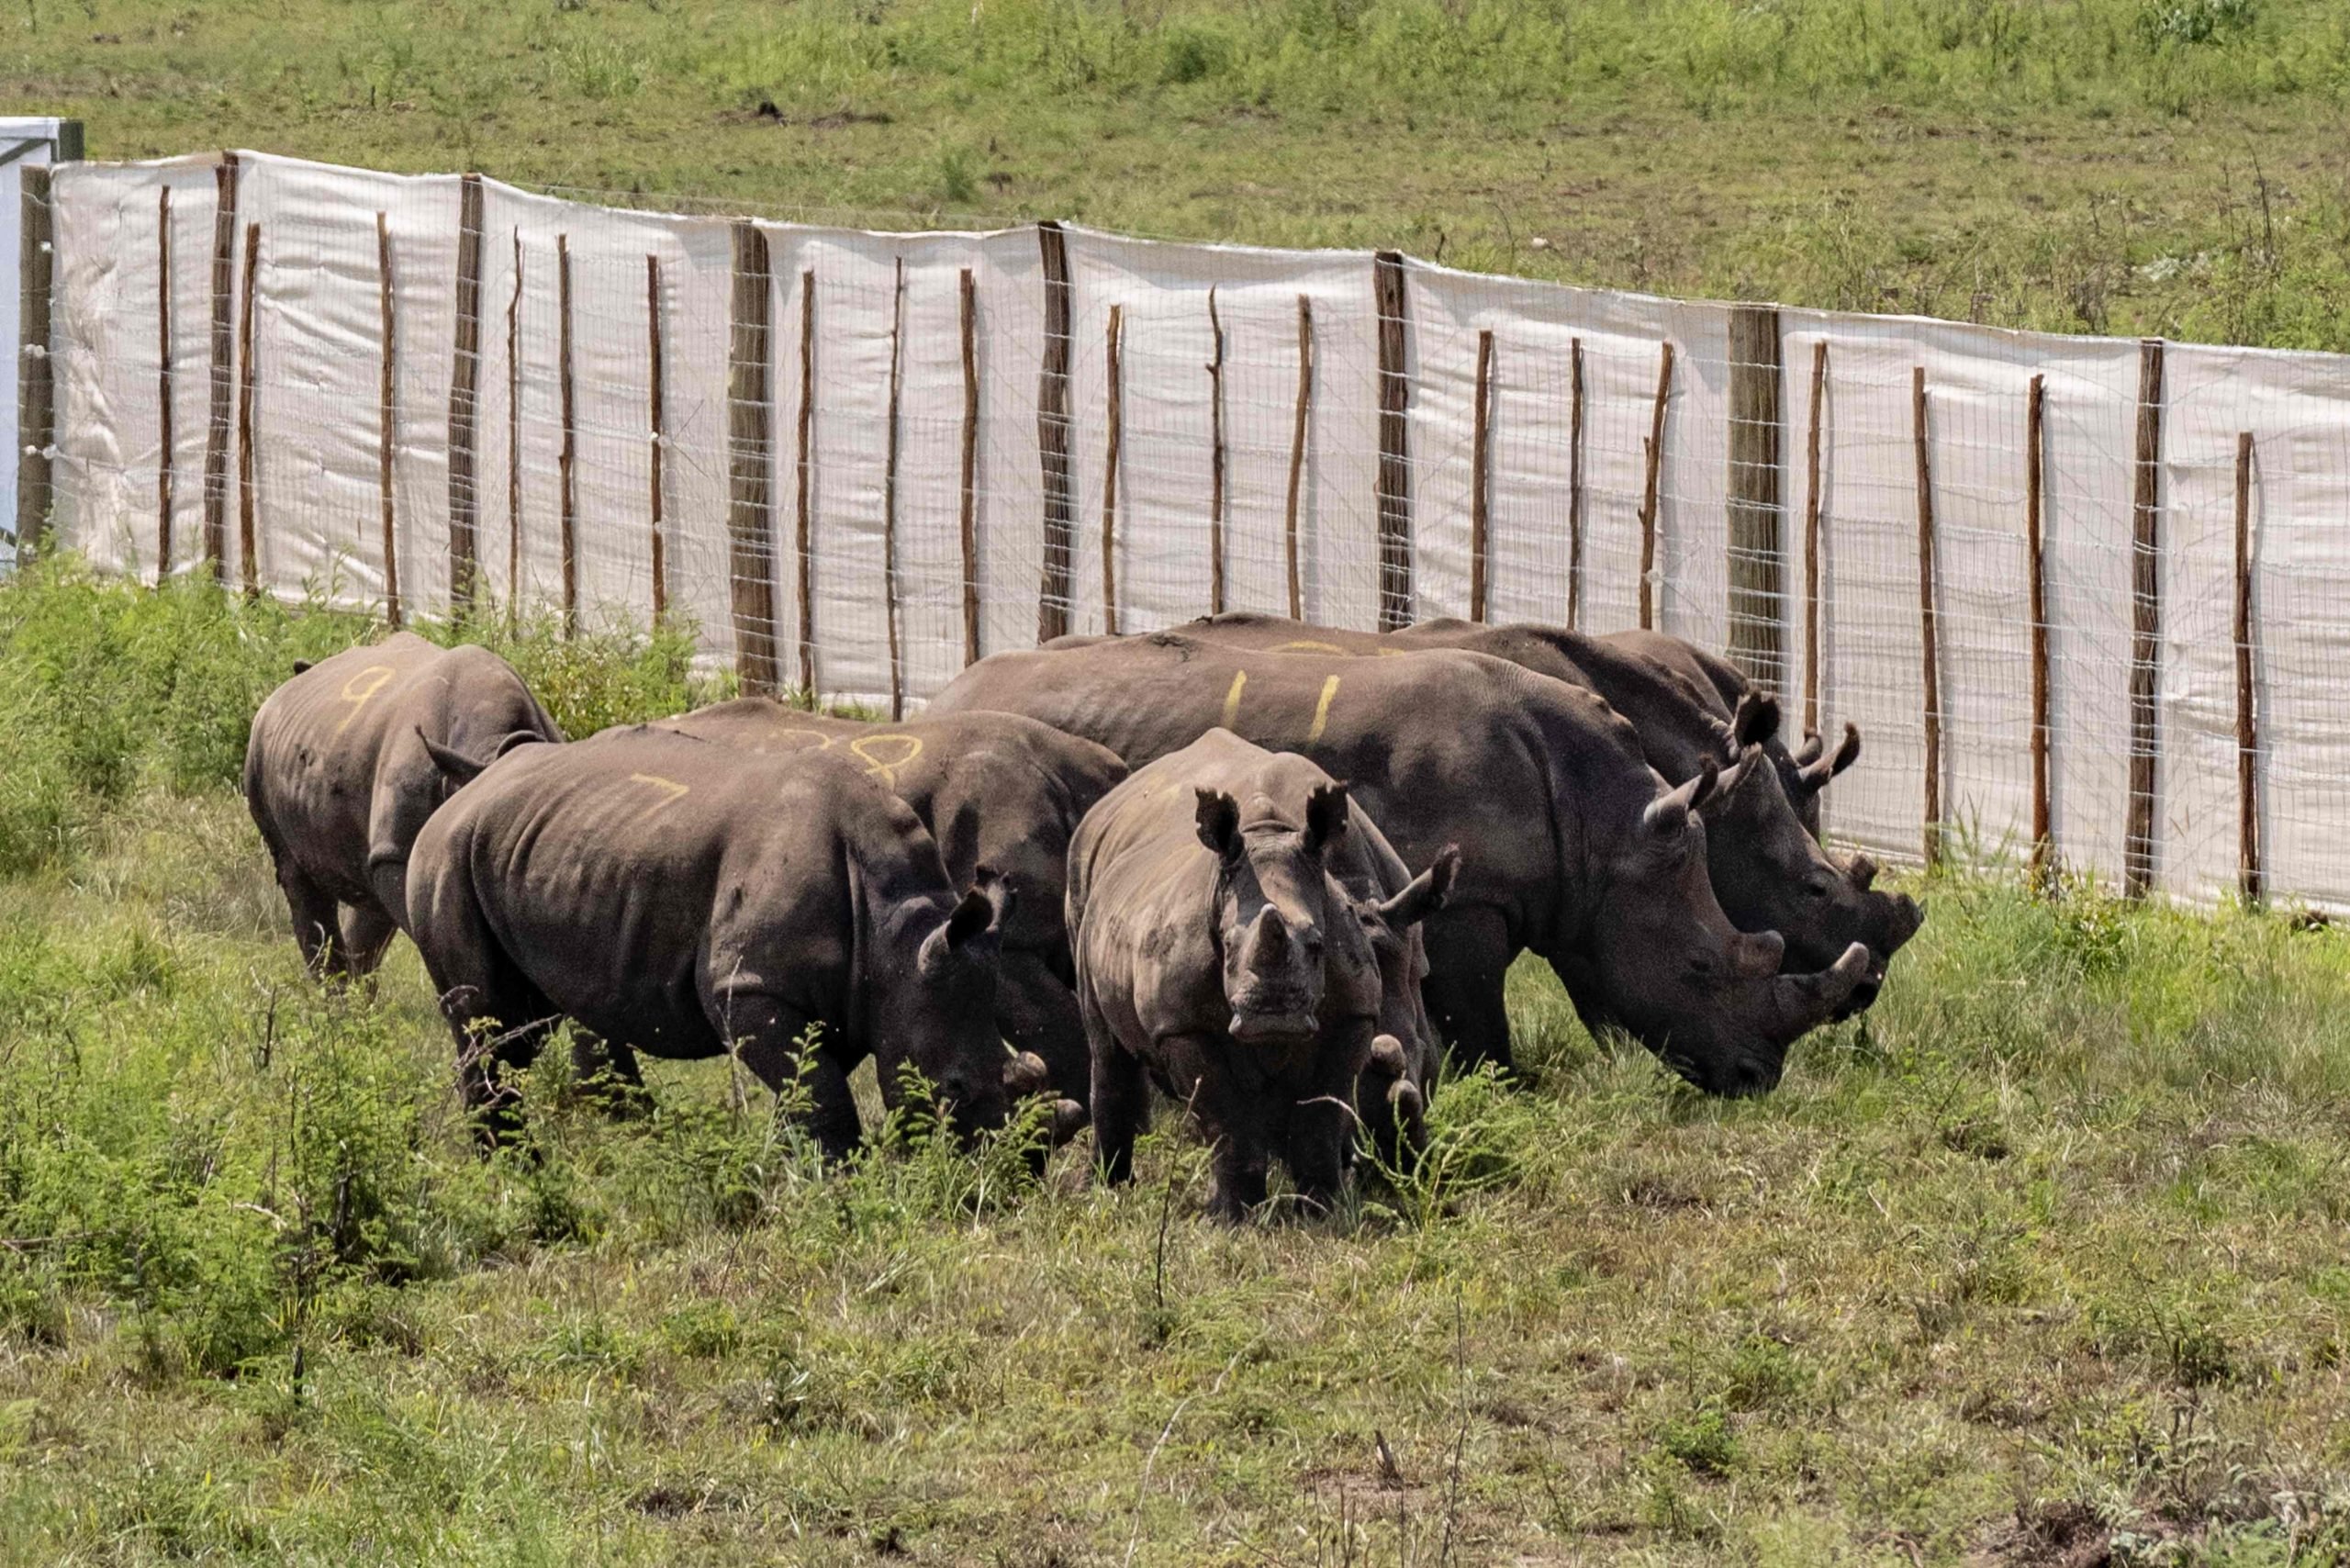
1321,710
360,688
802,740
886,767
1307,645
671,792
1232,698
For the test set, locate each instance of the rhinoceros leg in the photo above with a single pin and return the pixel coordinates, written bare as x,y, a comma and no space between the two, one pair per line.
1232,1102
1469,954
609,1072
367,932
1120,1098
1121,1109
767,1034
1322,1124
499,1021
317,921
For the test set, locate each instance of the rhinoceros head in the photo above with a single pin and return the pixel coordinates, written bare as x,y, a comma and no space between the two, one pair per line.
1392,926
938,1012
1665,963
1771,875
1275,908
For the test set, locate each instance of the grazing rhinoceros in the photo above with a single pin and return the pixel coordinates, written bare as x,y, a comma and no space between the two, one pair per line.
1803,771
1572,844
340,779
995,790
1768,872
1220,953
683,899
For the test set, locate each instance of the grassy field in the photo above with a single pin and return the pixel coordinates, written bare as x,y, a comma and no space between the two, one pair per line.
2111,165
2041,1265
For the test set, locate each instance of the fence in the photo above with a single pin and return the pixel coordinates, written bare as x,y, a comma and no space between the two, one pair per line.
2082,596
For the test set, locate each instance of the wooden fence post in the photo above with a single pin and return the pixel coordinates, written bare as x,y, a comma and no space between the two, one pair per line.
386,425
2035,525
1575,483
888,500
804,521
1110,471
465,383
1757,550
1215,462
1929,640
1811,542
514,438
2247,737
1480,478
166,459
1052,438
1395,492
1297,451
247,539
567,456
1655,454
2146,620
749,517
657,437
36,377
224,351
971,470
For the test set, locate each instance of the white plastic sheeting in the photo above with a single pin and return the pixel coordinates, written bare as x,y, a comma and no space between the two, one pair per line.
318,347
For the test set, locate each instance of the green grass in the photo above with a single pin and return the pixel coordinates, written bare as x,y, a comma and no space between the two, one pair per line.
2115,165
2047,1252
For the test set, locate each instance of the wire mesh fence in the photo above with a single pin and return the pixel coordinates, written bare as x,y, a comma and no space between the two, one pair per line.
2080,595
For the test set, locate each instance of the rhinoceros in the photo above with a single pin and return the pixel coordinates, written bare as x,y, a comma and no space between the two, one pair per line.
995,790
1220,954
1768,872
683,899
340,779
1571,844
1803,771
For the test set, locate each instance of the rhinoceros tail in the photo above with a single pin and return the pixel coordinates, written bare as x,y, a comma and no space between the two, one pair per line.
303,667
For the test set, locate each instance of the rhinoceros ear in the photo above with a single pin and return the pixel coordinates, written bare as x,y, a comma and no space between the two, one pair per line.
986,906
1817,772
1667,817
1219,819
1756,721
456,766
981,913
1425,893
1809,753
1325,816
1726,783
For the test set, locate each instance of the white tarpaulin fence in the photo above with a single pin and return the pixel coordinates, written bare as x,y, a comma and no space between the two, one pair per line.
1269,368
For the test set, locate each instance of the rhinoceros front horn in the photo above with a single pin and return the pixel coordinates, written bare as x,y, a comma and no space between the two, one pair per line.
1024,1073
1813,999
